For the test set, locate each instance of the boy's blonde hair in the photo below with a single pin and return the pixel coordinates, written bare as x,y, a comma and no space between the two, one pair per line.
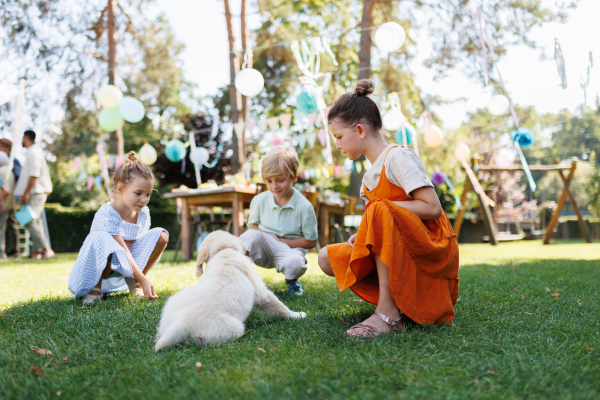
280,161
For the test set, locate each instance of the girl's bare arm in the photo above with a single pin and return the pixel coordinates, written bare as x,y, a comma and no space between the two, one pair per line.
425,205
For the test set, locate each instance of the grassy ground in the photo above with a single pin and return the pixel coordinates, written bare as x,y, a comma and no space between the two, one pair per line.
512,337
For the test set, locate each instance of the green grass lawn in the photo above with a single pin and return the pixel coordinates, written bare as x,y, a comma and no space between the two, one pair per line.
511,339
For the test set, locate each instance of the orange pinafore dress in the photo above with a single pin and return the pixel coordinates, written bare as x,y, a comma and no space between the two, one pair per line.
422,257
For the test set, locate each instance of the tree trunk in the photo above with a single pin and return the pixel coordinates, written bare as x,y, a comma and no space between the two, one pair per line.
364,72
115,139
233,70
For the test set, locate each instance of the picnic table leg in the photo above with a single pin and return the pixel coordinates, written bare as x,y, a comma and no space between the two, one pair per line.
582,225
324,225
561,201
237,214
185,229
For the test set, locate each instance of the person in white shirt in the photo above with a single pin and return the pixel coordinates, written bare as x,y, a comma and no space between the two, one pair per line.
33,187
7,184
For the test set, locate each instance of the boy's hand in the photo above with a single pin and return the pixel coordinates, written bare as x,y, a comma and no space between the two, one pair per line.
148,289
274,235
352,240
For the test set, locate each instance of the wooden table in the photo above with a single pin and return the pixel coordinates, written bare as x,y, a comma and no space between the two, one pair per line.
235,197
327,208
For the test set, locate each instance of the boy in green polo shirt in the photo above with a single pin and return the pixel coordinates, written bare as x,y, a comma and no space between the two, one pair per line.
282,225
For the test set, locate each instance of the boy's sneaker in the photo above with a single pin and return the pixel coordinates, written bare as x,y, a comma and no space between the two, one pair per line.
294,287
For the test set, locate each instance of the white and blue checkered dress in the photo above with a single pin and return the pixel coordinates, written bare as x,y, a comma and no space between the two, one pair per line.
100,243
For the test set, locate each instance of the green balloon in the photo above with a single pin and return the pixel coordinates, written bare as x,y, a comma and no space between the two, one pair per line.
110,119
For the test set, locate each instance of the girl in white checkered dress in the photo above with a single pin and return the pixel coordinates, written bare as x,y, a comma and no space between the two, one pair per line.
121,248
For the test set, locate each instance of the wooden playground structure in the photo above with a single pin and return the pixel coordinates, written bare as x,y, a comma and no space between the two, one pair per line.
485,202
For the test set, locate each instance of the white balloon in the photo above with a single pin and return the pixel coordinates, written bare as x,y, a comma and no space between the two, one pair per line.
393,120
505,158
389,37
4,94
200,156
249,82
147,154
110,96
498,105
462,152
433,136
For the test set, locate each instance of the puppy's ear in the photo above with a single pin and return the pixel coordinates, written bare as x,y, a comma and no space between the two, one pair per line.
203,256
199,270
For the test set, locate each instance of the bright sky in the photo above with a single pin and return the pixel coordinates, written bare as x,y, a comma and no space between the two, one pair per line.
200,25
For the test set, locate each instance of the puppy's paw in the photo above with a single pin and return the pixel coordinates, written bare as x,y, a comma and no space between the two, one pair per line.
298,315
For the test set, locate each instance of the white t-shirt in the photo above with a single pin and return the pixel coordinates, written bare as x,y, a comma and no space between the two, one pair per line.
35,165
8,185
403,168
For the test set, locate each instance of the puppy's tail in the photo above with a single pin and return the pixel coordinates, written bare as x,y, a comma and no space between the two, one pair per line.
174,334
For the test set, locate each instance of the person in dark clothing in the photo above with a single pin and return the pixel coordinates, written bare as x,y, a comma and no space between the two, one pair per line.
11,241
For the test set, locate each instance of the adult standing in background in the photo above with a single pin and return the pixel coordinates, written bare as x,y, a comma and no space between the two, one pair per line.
33,187
7,201
11,234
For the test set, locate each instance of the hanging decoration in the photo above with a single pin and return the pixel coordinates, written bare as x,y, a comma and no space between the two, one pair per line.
147,154
285,120
273,123
309,63
301,141
523,136
199,155
405,135
110,119
306,101
239,127
437,178
433,136
389,37
131,109
17,131
175,150
262,126
462,152
560,64
110,96
498,105
487,44
4,95
249,81
504,158
586,82
393,118
322,137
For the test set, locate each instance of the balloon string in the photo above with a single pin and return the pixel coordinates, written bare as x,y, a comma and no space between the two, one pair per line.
453,190
216,159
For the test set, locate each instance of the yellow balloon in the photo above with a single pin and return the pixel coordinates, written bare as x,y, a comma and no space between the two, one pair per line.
110,96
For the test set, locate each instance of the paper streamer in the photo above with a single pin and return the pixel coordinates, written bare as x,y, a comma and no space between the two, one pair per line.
301,141
525,166
273,123
311,138
560,64
262,125
586,82
453,190
285,120
327,49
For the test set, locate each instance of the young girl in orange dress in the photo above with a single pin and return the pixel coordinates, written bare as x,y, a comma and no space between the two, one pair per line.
404,256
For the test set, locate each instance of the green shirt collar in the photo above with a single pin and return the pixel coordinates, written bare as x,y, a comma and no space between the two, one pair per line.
291,204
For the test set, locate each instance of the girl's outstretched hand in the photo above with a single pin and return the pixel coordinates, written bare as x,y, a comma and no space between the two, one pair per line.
148,289
352,240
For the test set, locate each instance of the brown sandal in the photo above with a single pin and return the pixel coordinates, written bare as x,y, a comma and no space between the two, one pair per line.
395,325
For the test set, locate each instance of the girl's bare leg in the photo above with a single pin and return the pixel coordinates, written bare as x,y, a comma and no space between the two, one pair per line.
105,274
161,243
325,265
386,305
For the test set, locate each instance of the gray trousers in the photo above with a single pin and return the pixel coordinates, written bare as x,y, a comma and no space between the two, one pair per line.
267,252
35,228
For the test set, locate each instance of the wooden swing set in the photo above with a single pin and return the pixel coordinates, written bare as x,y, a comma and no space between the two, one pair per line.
485,202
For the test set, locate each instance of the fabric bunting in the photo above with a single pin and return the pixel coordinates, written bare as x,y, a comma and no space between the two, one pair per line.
250,125
117,161
331,169
325,172
307,174
262,125
311,119
98,181
90,183
337,171
358,167
322,137
301,141
312,173
310,138
239,128
273,123
111,160
317,173
82,176
285,120
76,164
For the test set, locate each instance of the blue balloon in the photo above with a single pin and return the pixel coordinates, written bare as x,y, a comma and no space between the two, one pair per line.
523,136
306,102
175,150
131,109
410,133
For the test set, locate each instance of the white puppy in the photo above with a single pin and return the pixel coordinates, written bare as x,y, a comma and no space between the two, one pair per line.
214,310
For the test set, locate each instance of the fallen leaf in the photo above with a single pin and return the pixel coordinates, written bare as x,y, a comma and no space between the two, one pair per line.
343,322
515,269
528,313
183,365
547,289
49,322
459,335
587,348
263,350
198,366
523,295
36,370
516,290
556,295
358,300
459,299
545,315
490,372
65,358
313,295
43,352
579,303
58,393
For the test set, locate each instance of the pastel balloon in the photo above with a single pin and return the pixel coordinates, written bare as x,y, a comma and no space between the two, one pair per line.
462,152
110,119
148,154
498,105
132,109
523,136
410,131
502,160
4,94
306,102
200,157
433,136
393,120
249,82
389,37
110,96
175,150
438,178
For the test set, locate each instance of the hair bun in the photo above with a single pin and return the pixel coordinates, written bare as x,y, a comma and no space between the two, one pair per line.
364,87
132,156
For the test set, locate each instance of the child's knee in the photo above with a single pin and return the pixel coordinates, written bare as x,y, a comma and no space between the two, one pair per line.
293,267
163,239
324,261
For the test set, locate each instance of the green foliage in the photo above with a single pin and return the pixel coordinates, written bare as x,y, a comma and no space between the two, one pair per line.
511,337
